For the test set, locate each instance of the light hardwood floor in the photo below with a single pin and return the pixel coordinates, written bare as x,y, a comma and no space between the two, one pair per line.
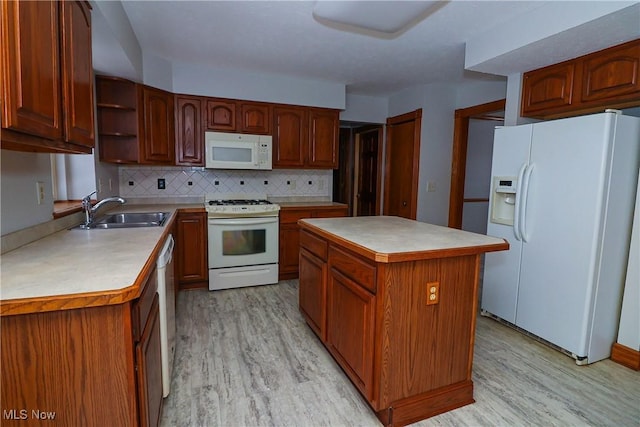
245,357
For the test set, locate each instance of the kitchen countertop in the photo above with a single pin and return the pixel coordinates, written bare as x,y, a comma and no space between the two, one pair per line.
391,239
74,268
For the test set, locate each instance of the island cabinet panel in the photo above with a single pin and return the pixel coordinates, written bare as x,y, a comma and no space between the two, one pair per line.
401,323
313,292
148,367
350,329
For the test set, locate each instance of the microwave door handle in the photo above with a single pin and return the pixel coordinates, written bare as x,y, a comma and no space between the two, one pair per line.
254,153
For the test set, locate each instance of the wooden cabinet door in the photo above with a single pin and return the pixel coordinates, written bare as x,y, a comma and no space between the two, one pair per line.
312,294
255,117
611,74
350,329
323,138
149,368
189,131
77,73
548,88
289,137
288,251
191,248
221,115
31,68
157,132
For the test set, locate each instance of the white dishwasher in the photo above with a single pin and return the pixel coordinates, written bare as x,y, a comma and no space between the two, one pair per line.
167,302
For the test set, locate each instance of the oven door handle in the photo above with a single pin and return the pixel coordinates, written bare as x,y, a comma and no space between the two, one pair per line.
243,221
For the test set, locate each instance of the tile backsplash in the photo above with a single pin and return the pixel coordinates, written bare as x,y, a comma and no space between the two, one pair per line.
140,182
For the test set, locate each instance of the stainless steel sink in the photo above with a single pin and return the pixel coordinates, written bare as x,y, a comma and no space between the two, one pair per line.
131,220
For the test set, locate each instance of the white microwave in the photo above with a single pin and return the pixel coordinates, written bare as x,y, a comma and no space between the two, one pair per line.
237,151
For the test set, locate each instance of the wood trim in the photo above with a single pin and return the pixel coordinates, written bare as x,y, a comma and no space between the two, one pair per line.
415,116
626,356
459,155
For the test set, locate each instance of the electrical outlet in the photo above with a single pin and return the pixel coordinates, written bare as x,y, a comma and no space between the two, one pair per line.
433,293
40,191
161,184
431,186
99,185
110,184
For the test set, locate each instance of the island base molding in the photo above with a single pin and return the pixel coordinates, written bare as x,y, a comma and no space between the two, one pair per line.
625,356
416,408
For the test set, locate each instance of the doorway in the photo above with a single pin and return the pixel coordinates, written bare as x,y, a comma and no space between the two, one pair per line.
458,199
402,165
358,179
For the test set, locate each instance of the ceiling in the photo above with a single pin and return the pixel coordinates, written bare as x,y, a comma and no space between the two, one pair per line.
283,37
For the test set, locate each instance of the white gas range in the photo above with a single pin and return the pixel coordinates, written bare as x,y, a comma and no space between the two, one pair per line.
243,240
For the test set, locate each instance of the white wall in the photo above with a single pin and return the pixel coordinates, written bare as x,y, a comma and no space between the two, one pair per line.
157,72
241,84
365,109
629,329
478,174
438,103
20,172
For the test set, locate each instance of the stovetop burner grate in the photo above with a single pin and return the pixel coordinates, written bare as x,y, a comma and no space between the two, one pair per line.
238,202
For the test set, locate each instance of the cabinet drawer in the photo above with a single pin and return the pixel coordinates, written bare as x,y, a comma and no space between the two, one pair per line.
292,216
330,213
142,307
353,267
313,244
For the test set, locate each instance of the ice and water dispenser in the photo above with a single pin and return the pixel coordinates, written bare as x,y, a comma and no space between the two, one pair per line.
504,199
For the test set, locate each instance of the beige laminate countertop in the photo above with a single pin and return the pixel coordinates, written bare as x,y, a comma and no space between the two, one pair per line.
391,239
76,263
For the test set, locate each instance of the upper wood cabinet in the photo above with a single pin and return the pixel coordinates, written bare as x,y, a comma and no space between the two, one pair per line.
117,101
221,115
305,137
324,127
47,87
189,131
289,136
157,131
609,78
255,117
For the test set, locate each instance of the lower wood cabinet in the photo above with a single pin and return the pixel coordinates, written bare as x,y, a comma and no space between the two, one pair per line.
410,358
85,366
289,236
192,269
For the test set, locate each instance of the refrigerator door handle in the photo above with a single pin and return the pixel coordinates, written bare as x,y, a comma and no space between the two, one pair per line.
523,206
516,213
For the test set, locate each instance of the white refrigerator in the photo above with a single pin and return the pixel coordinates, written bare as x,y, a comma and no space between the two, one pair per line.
563,193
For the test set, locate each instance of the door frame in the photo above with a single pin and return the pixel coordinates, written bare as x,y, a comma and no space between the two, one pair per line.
459,155
415,116
356,165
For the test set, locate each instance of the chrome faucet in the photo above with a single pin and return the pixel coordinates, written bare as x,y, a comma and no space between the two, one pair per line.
90,211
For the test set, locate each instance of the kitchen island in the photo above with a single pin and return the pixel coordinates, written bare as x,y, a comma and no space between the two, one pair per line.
394,301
